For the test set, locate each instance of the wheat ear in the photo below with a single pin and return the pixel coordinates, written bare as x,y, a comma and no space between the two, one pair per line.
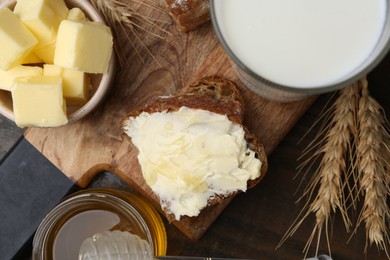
328,177
120,15
373,166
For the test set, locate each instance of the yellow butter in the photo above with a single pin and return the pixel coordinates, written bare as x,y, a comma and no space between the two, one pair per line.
7,77
75,83
42,17
84,46
52,70
46,53
77,86
16,40
38,101
32,58
76,14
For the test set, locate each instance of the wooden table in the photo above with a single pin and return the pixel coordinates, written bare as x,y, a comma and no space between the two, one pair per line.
253,224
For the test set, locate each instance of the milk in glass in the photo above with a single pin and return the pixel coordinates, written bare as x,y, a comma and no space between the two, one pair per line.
301,44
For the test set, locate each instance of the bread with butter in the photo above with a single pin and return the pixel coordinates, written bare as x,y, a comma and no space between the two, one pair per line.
216,95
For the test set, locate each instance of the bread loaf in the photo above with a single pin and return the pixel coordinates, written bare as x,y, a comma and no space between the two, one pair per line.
188,14
216,95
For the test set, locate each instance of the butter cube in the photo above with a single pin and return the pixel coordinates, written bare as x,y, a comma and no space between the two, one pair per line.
84,46
7,77
16,40
52,70
46,53
32,58
38,101
76,14
75,84
42,17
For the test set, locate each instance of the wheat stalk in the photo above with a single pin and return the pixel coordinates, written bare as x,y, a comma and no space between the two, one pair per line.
354,130
120,15
373,166
328,177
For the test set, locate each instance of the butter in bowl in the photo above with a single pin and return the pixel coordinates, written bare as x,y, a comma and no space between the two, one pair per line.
57,62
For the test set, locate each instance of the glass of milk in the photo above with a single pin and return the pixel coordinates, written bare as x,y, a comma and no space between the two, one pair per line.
286,50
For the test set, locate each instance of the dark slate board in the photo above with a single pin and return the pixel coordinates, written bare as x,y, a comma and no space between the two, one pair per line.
30,186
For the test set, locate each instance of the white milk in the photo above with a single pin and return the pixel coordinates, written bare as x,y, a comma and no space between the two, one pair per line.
301,43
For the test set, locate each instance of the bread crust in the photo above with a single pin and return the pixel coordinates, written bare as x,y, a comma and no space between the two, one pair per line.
214,94
211,93
188,14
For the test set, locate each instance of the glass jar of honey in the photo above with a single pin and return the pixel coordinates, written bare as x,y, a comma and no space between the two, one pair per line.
87,212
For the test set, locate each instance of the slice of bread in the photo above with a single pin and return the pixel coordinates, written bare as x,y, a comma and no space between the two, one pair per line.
213,94
188,14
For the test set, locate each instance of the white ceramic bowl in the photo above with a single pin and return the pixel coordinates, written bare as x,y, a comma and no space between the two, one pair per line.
100,83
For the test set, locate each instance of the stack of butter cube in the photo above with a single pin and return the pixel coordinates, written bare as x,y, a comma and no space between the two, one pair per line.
47,52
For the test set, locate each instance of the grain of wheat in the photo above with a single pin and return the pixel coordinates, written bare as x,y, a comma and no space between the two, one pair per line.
373,166
328,177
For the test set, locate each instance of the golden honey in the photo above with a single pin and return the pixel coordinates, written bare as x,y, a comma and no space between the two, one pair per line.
87,212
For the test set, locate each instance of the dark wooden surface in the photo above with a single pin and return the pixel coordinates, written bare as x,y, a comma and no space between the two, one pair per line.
253,224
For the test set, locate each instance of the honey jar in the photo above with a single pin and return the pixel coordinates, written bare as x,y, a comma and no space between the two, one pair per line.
88,212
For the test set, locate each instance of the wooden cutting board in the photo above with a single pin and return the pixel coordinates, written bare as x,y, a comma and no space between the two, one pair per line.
96,143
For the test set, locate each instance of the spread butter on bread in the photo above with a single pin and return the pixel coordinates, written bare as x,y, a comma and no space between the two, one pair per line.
193,148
